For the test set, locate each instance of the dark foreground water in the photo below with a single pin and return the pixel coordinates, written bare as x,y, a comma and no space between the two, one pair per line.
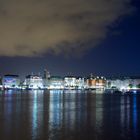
55,115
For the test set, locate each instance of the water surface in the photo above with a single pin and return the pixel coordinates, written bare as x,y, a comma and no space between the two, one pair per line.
68,115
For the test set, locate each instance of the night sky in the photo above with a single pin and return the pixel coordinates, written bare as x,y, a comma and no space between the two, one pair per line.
78,37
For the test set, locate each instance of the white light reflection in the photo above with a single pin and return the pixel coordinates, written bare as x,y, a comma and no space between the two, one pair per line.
122,114
37,113
34,117
125,115
8,109
128,112
99,112
55,110
70,110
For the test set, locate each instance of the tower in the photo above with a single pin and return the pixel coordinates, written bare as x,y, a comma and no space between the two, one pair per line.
46,74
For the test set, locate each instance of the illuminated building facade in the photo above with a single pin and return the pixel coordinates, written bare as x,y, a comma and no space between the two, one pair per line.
70,82
80,83
124,83
34,82
56,82
96,83
11,81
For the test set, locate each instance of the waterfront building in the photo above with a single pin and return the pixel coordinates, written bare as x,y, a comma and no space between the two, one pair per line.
91,83
11,81
100,82
56,82
34,82
80,83
70,82
124,83
96,82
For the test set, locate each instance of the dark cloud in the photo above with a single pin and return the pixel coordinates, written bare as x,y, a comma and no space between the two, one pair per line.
33,27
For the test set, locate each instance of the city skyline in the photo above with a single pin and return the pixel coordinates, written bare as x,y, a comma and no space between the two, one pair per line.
69,69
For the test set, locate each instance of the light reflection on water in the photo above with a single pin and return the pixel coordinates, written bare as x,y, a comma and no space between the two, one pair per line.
34,115
135,115
64,115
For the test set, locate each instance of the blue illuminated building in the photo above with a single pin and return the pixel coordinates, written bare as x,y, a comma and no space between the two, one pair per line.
11,81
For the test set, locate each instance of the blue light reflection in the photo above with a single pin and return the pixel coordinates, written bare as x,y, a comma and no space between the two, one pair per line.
135,115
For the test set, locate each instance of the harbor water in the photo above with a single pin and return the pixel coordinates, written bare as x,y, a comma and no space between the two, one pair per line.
68,115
